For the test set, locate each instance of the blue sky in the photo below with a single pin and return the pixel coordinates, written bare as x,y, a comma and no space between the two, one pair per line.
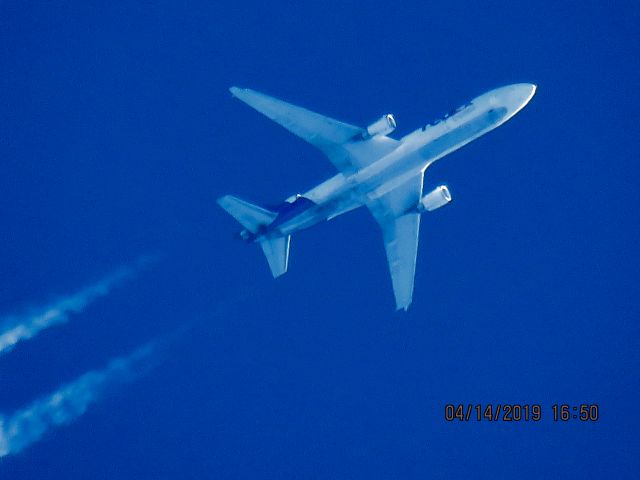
117,135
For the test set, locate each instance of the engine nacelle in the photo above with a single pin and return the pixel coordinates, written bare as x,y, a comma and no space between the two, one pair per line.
437,198
384,125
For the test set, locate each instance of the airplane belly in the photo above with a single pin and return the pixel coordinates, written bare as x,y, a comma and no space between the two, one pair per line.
458,137
318,213
327,189
420,154
304,220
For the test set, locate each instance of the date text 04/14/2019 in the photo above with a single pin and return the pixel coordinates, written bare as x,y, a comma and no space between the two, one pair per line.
515,412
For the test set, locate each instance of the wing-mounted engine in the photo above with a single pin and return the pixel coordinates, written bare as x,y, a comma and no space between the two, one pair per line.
438,197
383,126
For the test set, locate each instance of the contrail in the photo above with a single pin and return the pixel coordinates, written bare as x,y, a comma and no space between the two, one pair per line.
27,426
15,328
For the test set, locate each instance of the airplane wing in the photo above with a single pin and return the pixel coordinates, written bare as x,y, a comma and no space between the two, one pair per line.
400,230
341,142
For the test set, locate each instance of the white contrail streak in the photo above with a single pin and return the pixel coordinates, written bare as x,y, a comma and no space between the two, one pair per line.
26,426
15,328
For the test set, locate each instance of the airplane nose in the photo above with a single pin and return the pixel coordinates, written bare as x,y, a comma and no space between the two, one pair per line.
516,96
522,93
531,87
528,91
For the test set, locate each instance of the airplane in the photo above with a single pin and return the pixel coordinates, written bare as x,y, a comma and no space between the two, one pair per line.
374,170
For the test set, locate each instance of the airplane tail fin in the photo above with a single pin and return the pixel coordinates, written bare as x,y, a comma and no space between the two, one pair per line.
254,218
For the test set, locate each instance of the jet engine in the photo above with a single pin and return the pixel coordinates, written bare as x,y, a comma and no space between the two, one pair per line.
437,198
384,125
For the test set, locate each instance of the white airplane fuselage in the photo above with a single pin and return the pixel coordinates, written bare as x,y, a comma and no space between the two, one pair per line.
414,153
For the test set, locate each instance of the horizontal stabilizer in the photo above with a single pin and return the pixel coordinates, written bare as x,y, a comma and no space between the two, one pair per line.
277,252
252,217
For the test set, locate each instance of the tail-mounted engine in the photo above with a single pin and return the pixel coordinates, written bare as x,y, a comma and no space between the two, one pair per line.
438,197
